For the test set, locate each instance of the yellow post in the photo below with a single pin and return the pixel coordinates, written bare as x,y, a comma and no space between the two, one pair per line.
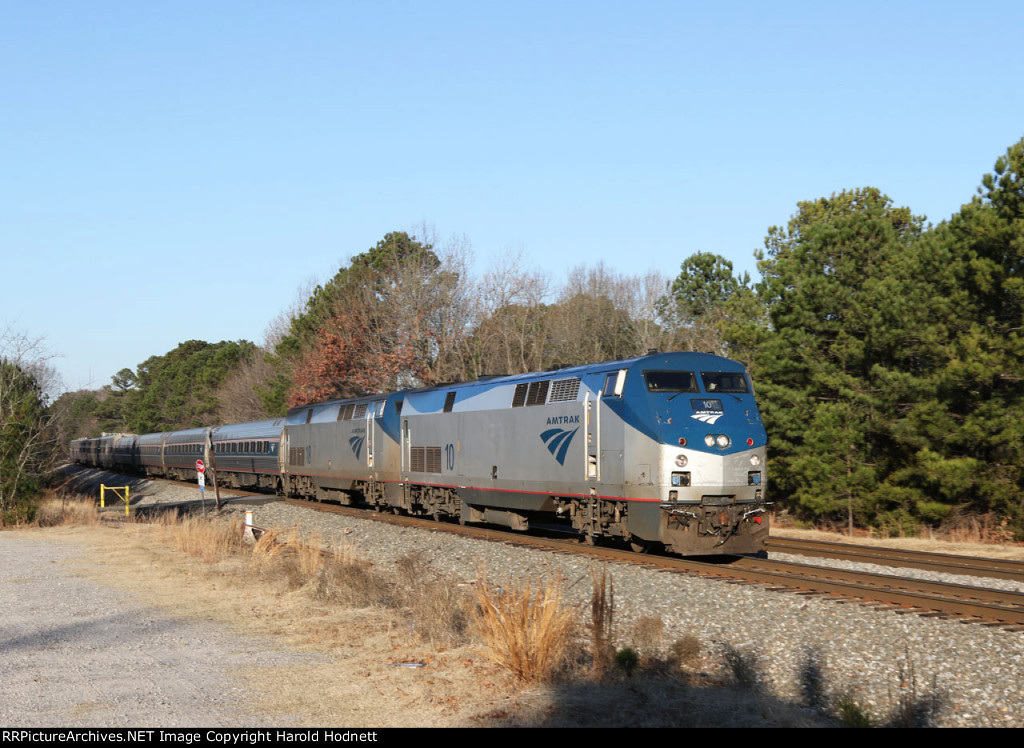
115,489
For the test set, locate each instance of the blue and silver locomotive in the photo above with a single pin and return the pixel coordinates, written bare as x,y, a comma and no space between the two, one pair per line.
664,450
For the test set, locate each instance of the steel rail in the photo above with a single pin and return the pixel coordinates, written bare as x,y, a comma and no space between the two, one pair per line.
948,563
922,596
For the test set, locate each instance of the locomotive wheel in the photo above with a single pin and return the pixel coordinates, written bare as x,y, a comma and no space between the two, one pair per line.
638,545
590,538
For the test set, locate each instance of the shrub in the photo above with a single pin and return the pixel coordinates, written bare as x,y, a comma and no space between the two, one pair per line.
526,626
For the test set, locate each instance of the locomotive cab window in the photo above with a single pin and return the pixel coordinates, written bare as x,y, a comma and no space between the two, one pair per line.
613,384
724,381
670,381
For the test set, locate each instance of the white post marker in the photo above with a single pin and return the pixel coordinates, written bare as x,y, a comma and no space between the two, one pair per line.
248,534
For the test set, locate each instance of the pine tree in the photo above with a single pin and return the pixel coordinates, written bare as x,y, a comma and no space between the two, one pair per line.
838,294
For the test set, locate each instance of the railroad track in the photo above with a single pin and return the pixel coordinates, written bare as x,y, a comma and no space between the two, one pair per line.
946,563
900,594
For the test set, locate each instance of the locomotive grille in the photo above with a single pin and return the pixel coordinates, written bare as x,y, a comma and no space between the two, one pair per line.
534,393
519,398
538,393
564,389
425,459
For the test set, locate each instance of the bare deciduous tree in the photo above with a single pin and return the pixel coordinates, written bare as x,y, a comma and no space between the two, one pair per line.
239,395
509,318
28,437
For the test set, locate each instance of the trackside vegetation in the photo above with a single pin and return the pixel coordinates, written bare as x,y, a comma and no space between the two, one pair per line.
887,352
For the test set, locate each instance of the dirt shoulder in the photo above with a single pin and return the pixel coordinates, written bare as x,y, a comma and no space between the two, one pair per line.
104,628
111,627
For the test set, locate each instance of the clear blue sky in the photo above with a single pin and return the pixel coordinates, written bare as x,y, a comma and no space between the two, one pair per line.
177,170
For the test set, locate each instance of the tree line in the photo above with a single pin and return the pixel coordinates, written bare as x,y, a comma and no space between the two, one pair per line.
886,352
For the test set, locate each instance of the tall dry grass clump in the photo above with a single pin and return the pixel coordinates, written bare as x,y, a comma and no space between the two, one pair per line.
526,626
299,561
207,540
439,610
61,511
336,574
988,528
602,619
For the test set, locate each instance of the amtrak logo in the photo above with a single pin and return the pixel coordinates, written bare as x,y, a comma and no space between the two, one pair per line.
356,442
558,442
707,417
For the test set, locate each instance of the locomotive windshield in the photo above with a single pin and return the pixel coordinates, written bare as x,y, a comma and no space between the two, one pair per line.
724,381
670,381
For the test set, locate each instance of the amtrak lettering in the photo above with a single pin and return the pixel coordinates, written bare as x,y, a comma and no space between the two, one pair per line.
707,417
562,420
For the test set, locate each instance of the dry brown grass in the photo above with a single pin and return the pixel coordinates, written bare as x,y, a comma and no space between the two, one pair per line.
211,542
602,620
67,510
439,612
526,626
976,536
988,529
685,651
363,621
648,633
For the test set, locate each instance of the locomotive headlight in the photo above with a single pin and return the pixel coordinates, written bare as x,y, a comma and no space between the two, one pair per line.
721,440
755,460
681,461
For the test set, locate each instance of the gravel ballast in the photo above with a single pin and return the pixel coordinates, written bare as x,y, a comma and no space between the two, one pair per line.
948,672
804,649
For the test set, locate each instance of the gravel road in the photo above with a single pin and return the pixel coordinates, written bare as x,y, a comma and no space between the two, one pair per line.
78,653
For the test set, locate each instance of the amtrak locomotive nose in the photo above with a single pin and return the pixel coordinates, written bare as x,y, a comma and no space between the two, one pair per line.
712,457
